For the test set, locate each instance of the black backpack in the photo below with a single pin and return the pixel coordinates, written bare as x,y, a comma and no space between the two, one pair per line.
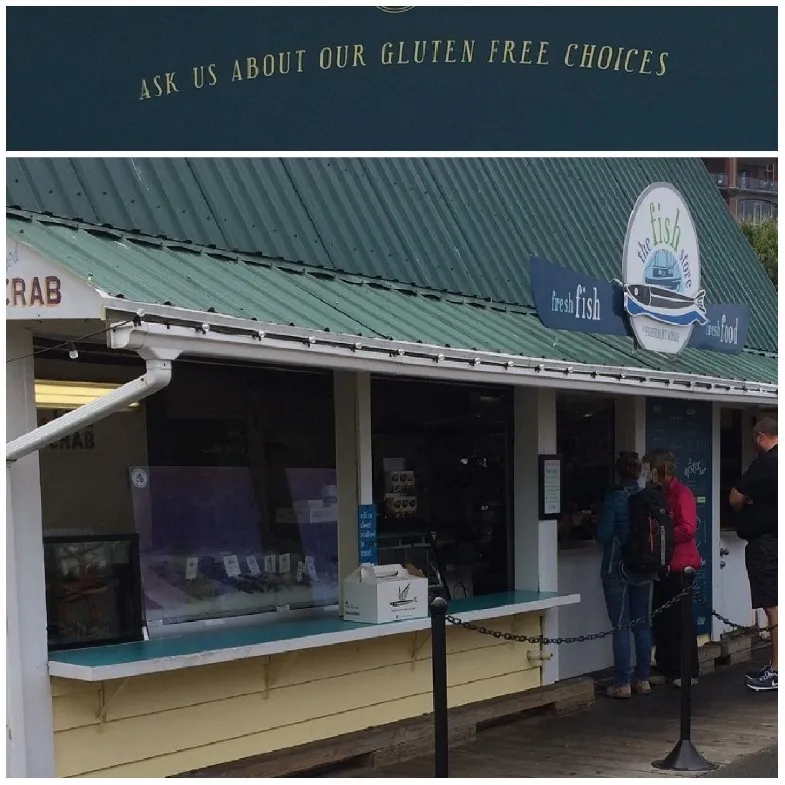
649,546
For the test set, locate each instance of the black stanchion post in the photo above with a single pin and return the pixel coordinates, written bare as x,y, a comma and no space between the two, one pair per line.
439,659
684,756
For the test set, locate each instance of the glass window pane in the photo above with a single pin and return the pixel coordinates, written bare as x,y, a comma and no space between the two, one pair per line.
205,553
237,510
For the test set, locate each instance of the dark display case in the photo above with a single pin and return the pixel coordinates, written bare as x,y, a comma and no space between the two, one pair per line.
93,590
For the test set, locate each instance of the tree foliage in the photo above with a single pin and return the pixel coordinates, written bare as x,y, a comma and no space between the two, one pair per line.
763,239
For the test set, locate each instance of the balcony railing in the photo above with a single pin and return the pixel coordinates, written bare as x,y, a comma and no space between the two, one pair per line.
756,212
756,184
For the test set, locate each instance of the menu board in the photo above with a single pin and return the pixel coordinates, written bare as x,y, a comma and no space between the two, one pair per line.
550,491
685,428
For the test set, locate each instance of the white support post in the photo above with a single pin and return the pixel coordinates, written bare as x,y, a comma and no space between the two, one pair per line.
536,541
363,429
29,723
354,466
631,424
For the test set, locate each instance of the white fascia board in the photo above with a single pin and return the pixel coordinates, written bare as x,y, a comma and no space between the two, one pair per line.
218,336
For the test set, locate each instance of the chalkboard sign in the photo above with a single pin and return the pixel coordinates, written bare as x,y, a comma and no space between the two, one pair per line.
685,428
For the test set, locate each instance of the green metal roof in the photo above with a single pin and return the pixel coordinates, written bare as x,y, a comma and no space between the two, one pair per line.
144,271
459,225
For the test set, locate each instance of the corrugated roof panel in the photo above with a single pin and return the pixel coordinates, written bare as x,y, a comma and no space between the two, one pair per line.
48,185
411,317
490,223
150,273
258,208
456,225
386,218
155,196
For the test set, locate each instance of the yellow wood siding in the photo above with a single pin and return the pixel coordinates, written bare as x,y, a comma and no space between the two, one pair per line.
167,723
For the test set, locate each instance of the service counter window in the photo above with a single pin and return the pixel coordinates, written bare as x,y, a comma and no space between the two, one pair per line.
224,482
585,428
238,515
442,479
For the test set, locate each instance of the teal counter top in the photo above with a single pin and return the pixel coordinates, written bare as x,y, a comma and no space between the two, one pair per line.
123,660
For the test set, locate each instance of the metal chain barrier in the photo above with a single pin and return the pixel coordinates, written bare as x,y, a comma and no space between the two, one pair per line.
725,620
508,636
542,640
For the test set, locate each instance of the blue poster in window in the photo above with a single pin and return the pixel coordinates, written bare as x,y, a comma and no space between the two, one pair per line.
685,428
367,522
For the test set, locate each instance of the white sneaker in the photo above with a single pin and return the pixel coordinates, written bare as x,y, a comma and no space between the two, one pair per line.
677,683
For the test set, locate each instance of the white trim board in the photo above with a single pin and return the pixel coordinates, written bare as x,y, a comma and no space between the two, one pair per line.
224,337
125,670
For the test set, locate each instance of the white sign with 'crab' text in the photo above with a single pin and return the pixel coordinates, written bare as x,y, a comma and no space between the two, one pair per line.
35,288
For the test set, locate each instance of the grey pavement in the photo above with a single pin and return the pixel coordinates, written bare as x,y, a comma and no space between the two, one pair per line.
761,764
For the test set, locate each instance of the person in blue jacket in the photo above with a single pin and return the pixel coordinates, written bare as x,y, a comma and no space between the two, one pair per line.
627,597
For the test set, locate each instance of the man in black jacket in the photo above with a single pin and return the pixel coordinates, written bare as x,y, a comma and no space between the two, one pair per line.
754,498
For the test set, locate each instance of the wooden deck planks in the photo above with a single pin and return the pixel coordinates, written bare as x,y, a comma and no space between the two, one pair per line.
616,738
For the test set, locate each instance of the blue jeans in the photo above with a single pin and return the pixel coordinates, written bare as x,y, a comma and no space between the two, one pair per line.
625,602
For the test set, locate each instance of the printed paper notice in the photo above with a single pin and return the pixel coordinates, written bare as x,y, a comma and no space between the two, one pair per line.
253,565
310,565
284,563
232,565
269,563
551,487
191,567
300,571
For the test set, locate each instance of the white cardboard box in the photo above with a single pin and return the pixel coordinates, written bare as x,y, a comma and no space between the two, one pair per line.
375,594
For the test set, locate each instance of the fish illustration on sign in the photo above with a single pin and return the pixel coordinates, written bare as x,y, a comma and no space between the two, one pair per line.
664,305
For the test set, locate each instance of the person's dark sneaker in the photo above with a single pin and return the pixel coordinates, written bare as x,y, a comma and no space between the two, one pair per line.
765,682
757,673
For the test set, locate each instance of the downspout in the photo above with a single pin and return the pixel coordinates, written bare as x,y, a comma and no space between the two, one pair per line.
158,376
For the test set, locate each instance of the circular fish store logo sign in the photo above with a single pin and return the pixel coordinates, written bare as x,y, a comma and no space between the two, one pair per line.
661,271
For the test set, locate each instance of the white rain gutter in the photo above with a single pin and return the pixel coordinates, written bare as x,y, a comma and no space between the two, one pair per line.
265,343
158,376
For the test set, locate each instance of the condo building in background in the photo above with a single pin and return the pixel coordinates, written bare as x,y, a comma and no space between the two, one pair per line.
749,186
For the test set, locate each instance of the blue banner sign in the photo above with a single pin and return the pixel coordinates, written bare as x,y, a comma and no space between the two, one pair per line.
566,300
367,515
726,330
303,78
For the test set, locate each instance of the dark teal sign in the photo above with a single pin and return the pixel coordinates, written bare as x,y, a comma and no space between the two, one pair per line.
685,428
367,532
566,300
377,78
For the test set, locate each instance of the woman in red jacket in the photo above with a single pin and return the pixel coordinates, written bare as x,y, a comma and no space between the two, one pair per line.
667,624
